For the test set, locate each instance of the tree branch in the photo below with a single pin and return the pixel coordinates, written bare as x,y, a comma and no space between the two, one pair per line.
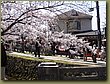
21,22
7,19
37,9
17,20
9,27
11,34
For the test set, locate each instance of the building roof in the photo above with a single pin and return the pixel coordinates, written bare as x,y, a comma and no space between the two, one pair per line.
73,14
88,33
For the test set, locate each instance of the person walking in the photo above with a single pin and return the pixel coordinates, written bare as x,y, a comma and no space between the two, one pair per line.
94,55
53,47
3,61
37,48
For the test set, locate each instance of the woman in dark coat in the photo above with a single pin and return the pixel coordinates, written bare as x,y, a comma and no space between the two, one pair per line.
3,56
3,61
37,49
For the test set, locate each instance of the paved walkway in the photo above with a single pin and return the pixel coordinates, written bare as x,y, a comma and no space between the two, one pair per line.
64,58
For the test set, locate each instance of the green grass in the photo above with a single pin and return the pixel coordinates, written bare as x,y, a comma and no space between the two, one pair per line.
27,57
44,60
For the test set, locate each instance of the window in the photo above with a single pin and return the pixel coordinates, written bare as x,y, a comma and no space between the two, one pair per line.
78,25
74,13
74,25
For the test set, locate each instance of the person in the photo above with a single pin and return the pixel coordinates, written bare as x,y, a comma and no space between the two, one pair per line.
94,55
81,53
53,47
37,49
102,54
72,53
3,61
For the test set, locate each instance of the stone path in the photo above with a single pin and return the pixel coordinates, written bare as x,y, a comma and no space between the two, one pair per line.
64,58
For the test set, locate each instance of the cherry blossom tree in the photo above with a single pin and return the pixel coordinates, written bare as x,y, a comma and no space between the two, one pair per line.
19,16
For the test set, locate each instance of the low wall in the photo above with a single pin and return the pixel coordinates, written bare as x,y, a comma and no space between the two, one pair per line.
21,69
24,69
82,73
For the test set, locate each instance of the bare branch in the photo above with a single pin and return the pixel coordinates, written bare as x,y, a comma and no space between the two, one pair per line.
11,34
37,9
21,22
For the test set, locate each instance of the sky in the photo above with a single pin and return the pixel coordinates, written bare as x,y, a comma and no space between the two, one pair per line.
102,11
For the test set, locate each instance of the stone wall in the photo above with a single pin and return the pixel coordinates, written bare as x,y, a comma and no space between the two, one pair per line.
25,69
21,69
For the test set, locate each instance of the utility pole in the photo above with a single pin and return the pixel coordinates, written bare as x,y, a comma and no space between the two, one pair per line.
98,25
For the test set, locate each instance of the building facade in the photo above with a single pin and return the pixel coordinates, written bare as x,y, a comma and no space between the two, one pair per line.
74,21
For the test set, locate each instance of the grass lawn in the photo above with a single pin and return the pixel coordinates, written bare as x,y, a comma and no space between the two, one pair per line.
44,60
